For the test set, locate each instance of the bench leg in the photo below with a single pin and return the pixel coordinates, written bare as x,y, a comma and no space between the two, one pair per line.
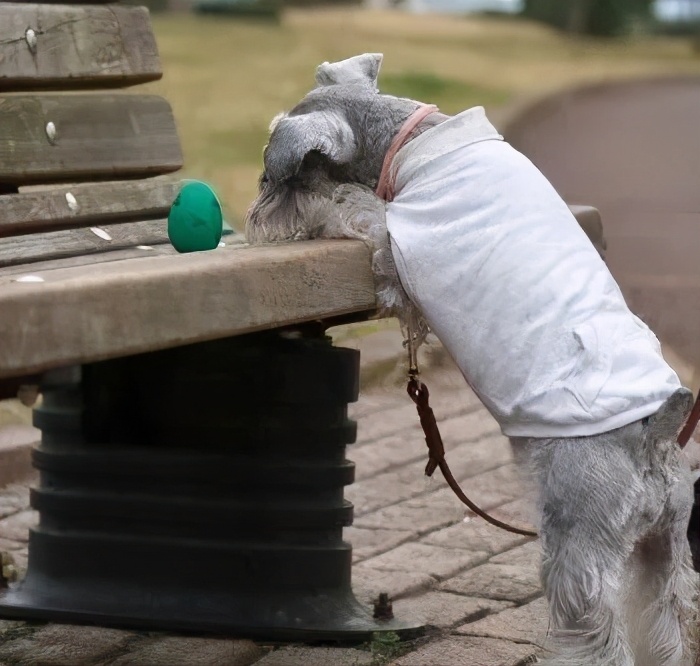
200,489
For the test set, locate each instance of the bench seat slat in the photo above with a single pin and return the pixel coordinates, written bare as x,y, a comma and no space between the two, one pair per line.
40,267
85,205
25,250
120,308
97,137
74,242
75,46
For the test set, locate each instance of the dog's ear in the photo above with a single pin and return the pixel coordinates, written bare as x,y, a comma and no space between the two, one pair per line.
294,137
359,69
667,423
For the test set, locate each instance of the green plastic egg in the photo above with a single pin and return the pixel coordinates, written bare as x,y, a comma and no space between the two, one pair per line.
195,221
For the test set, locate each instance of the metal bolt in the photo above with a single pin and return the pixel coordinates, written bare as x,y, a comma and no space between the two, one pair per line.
383,607
51,132
30,36
72,203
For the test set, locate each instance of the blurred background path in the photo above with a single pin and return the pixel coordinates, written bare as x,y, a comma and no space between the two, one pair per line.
632,150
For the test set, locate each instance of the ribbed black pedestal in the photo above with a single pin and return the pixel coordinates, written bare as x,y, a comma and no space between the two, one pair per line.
199,489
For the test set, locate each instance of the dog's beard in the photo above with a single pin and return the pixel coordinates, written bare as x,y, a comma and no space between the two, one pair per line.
285,213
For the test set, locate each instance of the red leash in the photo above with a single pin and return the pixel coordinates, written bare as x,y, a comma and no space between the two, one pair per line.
420,395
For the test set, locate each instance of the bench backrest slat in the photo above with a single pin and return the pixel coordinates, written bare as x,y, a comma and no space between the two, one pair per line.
48,46
91,137
85,205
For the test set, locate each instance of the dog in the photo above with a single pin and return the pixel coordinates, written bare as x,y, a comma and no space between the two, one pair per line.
471,242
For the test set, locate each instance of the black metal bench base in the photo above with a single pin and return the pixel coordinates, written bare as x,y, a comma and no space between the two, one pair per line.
200,489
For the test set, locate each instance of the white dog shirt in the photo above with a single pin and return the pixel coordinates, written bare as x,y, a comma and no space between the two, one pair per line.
511,285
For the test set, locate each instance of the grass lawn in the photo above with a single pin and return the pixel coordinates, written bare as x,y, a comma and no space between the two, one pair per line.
227,78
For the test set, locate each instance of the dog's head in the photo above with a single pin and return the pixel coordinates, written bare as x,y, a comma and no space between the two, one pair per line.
338,134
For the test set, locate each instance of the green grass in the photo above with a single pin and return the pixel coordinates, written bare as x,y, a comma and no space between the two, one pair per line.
450,95
226,78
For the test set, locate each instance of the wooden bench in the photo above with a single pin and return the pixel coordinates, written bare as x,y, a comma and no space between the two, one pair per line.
193,413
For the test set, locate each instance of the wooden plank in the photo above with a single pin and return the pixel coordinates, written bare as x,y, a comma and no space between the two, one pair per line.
40,267
56,244
85,205
126,307
139,252
23,250
44,46
95,137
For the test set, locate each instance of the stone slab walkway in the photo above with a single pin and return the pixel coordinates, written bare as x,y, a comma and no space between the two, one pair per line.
475,586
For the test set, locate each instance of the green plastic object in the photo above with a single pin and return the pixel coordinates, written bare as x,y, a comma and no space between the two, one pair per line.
195,221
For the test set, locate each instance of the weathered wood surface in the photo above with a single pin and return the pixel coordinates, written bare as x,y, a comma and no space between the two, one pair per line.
23,250
85,205
56,244
126,307
59,138
39,267
45,46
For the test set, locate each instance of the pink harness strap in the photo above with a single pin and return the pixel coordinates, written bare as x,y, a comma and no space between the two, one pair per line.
385,187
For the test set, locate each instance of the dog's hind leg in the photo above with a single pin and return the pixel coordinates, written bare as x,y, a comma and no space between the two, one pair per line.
665,625
589,498
666,622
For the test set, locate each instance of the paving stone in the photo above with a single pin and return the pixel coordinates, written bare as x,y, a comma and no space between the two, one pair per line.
419,515
300,656
434,510
374,402
388,422
491,488
16,442
526,624
367,543
8,544
497,581
481,468
529,555
475,534
8,625
16,527
434,561
386,454
446,404
190,651
64,645
20,558
457,651
13,499
441,609
368,583
404,448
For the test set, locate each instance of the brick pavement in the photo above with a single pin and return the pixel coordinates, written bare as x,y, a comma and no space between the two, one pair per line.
475,586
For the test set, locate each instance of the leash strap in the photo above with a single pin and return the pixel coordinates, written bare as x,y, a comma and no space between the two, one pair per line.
420,395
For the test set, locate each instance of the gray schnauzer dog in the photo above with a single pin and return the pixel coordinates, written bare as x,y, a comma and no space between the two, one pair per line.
470,241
